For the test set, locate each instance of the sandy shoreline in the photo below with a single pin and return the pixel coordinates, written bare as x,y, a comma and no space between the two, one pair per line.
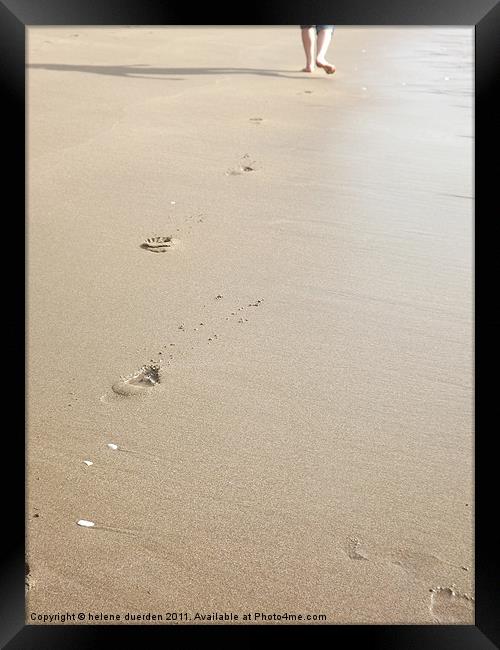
309,447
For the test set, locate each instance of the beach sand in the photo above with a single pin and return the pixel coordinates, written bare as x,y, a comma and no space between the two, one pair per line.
306,445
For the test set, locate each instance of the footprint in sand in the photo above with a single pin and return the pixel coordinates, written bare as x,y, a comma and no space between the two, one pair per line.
28,580
245,165
138,382
158,244
424,566
450,606
353,549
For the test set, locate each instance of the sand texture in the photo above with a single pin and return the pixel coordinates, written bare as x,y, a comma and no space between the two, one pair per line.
250,303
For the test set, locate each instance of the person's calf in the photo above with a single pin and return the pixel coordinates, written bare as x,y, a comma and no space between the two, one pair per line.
309,43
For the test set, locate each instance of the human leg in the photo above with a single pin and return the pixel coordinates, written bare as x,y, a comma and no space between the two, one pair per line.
308,41
324,40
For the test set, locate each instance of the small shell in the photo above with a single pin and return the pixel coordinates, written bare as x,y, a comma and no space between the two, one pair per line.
88,463
111,445
85,523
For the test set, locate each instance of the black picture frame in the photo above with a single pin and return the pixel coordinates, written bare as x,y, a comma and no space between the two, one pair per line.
484,15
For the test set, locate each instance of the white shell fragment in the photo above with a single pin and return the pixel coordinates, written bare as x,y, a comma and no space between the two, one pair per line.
85,523
111,445
88,463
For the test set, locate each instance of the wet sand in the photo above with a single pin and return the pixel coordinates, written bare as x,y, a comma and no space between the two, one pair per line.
278,404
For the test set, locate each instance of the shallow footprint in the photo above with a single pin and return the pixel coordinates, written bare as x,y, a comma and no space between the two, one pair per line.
424,566
450,606
353,549
136,383
157,244
28,580
246,165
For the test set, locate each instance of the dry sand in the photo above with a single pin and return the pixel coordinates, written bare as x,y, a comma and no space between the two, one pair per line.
311,453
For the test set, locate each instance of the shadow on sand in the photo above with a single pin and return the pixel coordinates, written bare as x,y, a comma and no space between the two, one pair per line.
147,72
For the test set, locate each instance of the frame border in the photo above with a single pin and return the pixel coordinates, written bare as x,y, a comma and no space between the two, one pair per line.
15,16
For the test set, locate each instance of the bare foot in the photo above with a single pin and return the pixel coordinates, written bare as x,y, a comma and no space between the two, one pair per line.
308,68
329,68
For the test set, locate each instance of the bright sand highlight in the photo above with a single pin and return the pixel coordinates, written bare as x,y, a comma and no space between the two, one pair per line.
291,428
